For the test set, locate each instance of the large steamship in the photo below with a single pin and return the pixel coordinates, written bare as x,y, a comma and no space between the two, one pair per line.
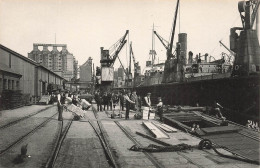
235,87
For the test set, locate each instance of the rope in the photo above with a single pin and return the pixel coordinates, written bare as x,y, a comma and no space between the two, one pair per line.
207,144
156,148
203,144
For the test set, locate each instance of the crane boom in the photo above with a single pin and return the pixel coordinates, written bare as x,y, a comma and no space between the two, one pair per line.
122,43
162,41
254,13
174,25
231,52
131,50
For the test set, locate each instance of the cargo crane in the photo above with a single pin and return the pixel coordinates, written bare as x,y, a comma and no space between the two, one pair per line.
246,44
230,57
136,67
169,46
105,74
164,42
108,58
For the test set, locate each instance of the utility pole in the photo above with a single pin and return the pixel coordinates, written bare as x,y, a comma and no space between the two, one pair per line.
153,55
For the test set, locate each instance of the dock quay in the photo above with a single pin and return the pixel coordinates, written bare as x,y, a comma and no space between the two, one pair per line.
99,141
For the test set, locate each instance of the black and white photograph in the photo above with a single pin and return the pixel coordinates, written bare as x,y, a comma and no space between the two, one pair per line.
129,84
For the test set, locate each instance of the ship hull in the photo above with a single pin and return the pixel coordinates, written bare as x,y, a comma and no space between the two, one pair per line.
239,96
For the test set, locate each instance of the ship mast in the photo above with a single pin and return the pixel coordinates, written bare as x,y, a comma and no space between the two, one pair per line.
257,25
153,52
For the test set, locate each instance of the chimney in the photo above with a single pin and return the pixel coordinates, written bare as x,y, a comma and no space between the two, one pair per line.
206,57
190,57
35,47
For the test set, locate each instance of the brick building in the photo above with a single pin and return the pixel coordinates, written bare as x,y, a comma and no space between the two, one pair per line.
61,62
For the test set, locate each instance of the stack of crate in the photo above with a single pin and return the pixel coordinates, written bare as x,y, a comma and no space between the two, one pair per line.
12,99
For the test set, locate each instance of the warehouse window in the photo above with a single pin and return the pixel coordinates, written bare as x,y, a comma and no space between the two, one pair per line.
1,85
5,84
9,84
12,84
17,85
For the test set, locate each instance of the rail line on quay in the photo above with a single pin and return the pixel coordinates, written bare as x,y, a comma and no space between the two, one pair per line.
148,155
104,141
23,118
63,133
61,136
20,139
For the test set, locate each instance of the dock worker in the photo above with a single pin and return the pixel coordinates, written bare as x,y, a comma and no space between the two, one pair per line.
217,110
85,104
59,105
160,108
134,98
98,99
122,100
147,102
128,103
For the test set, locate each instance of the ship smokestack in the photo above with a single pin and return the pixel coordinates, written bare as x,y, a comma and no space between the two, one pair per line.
206,57
183,47
190,57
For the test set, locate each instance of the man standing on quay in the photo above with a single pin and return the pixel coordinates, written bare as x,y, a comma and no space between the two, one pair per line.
128,103
60,107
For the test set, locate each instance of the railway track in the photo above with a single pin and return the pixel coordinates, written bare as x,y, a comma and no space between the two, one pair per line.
148,155
23,118
27,134
105,139
52,161
61,136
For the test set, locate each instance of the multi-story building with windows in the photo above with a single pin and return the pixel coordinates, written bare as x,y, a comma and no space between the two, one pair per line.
61,62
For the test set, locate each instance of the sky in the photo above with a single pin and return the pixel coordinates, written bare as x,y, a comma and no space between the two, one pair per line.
87,25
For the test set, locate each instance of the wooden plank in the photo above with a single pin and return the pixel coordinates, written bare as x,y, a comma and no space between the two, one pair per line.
165,127
220,129
155,131
153,139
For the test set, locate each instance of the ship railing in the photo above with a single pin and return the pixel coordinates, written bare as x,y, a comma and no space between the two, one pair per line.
208,77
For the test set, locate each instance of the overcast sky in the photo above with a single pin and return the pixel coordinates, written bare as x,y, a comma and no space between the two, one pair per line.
87,25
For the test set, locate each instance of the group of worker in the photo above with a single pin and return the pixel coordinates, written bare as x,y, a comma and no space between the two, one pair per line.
68,98
127,100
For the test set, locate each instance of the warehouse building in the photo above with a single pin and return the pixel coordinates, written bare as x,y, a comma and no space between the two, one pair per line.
18,72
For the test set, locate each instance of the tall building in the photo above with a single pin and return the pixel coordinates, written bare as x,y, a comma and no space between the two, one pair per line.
86,71
61,62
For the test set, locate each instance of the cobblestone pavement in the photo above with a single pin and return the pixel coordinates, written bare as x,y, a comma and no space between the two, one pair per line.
82,148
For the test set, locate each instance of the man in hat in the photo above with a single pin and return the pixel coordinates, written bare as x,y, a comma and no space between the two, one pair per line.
160,108
147,100
134,98
122,100
59,105
128,103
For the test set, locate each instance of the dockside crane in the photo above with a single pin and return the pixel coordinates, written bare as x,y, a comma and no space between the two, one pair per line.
230,51
243,40
136,67
169,46
108,57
